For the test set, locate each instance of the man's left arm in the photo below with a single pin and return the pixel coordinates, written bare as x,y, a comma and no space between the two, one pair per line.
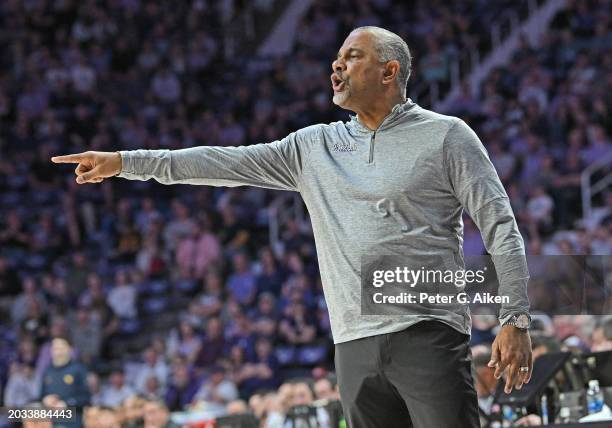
81,396
479,189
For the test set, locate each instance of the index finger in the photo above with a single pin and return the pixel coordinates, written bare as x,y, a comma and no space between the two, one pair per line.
75,158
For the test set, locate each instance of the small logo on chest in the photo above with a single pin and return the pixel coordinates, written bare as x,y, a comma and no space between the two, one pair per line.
344,147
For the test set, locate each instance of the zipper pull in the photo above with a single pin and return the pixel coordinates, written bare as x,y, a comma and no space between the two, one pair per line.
371,156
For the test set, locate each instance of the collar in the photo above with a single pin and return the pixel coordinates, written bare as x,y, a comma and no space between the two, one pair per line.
392,117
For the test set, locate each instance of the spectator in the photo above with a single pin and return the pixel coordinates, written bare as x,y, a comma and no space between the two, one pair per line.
183,387
602,336
265,317
22,302
133,412
540,208
241,283
217,388
95,389
152,366
486,384
180,226
86,335
326,388
271,277
64,383
122,297
156,415
262,372
184,342
116,392
213,344
237,407
22,386
297,326
302,394
210,302
197,252
153,390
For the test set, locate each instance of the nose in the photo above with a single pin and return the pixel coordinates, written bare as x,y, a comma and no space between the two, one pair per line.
338,65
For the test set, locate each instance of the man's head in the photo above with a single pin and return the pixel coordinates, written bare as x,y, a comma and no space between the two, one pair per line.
117,379
156,414
217,374
237,407
372,63
602,336
60,351
325,388
302,394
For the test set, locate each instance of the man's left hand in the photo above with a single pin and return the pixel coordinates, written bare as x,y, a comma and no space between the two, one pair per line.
512,350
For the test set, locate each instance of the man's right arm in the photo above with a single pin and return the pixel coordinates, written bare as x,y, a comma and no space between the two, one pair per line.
276,165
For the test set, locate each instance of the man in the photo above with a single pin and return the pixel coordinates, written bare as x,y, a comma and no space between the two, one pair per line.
486,383
116,392
217,388
602,336
394,179
153,366
156,415
64,383
325,388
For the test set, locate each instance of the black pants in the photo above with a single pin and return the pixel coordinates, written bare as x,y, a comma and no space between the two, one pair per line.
419,377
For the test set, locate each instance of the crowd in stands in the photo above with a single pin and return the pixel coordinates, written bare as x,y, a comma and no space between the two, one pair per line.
171,295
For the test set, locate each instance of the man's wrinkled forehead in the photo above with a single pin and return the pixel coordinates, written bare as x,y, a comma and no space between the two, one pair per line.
360,42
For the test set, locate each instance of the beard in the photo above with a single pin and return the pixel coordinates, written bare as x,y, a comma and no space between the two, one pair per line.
341,97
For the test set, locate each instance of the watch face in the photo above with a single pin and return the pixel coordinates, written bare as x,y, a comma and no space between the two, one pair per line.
522,321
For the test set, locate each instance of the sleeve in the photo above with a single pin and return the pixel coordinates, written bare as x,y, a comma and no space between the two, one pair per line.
478,188
43,390
276,165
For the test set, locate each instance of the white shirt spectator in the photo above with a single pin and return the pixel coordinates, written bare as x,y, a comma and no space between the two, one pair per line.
112,396
22,387
122,300
222,393
145,371
540,207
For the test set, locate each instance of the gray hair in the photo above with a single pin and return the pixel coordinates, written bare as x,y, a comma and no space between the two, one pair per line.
390,46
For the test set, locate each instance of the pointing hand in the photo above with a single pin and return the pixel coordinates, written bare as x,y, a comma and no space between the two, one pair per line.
93,167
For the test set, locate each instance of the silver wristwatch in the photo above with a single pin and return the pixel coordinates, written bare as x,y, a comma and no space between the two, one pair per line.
521,321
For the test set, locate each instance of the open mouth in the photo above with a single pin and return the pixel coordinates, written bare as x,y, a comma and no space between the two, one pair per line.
337,83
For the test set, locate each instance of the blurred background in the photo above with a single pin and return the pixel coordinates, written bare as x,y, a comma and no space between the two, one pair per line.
205,301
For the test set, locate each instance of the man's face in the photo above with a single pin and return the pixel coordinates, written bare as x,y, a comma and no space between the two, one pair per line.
117,380
302,395
323,389
358,73
600,342
155,416
60,352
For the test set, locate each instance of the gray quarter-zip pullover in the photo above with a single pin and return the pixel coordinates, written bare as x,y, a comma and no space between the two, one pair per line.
424,166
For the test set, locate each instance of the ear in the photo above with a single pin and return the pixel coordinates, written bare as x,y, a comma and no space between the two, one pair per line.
391,69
